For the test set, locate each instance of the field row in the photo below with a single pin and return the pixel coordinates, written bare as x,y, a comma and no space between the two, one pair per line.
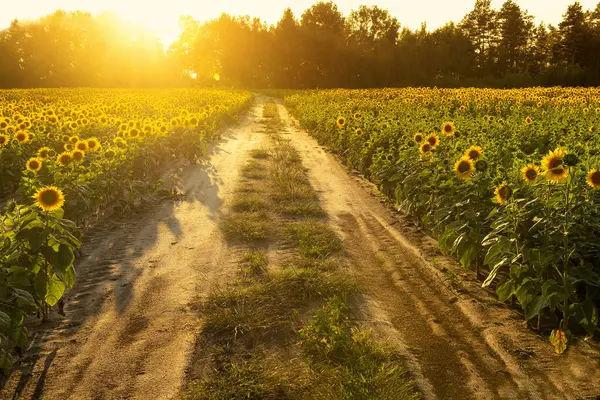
68,155
499,177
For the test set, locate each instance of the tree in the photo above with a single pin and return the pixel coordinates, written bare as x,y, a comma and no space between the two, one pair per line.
480,27
516,29
576,35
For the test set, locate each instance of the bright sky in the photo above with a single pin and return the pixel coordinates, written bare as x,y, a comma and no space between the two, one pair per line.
162,16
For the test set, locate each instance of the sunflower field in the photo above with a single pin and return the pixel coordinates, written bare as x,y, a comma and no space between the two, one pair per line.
68,155
506,180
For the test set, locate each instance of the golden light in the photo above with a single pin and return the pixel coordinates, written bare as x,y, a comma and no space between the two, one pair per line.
216,77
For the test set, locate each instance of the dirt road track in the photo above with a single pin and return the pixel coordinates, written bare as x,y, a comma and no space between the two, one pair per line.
459,346
129,329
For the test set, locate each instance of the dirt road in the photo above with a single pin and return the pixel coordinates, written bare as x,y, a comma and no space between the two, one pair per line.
459,346
129,330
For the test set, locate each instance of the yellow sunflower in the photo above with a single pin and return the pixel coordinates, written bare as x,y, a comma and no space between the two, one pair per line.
593,178
433,140
359,132
93,144
341,121
64,159
425,148
49,198
44,152
530,173
418,137
464,168
3,140
528,120
448,128
74,139
33,164
474,153
22,137
553,167
78,156
81,145
502,193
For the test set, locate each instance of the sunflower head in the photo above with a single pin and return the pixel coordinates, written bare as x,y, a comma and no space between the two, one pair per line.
433,140
74,139
44,153
528,120
359,132
503,193
593,179
93,144
425,148
78,156
81,145
474,153
3,140
530,173
22,137
341,121
64,159
448,128
464,168
481,165
418,137
33,164
49,198
554,168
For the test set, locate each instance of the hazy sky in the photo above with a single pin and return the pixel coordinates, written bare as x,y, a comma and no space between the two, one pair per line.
161,16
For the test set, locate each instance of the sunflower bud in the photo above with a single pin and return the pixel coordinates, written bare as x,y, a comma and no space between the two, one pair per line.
571,160
481,165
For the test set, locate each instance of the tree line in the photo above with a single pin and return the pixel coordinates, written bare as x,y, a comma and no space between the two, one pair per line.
321,48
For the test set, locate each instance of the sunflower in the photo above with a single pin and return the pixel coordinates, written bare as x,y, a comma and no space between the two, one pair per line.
45,152
78,156
341,121
93,144
49,198
134,132
593,178
81,145
528,120
433,140
33,164
502,193
359,132
553,167
418,137
448,128
110,153
3,140
530,173
474,152
22,137
74,139
357,115
425,148
64,158
464,168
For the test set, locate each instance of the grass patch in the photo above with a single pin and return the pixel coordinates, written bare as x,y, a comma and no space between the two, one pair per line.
254,170
248,202
260,154
328,265
300,207
252,377
269,306
255,262
350,361
315,239
248,227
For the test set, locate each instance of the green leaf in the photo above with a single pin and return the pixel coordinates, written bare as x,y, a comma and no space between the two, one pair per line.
506,290
55,290
586,315
534,307
488,281
5,322
559,340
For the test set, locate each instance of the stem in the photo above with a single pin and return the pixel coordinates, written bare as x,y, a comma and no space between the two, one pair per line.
565,274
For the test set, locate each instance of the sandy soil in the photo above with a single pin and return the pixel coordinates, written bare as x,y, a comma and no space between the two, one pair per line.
460,344
129,329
